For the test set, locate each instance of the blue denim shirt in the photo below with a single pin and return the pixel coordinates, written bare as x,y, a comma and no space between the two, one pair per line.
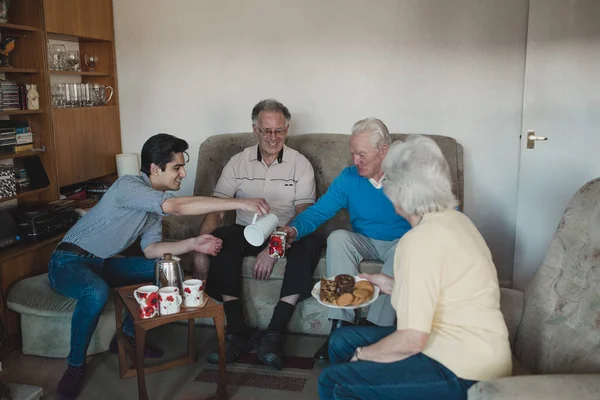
130,208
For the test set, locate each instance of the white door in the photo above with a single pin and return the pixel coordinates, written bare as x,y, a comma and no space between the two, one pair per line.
562,103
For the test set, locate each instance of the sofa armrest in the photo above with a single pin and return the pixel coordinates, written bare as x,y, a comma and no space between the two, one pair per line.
511,305
546,387
181,227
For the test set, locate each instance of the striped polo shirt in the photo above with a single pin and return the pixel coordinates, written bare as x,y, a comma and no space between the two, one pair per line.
130,208
288,182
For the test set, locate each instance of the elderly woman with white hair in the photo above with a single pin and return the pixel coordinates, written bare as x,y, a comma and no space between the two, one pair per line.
450,332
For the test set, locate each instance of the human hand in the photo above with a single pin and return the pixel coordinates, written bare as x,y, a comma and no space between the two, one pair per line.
385,283
259,206
292,233
264,265
207,244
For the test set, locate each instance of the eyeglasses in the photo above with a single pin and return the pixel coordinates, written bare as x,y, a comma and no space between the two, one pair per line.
269,132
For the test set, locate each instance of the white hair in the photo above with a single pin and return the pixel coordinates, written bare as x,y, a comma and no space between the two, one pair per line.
379,132
417,176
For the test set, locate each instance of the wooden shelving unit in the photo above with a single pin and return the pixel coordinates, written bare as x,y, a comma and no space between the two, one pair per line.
21,154
11,70
27,193
16,27
21,112
80,73
80,143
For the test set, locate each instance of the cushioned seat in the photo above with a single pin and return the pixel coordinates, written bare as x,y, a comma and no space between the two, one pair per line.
46,319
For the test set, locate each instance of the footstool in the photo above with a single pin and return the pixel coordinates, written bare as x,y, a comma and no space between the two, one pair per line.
46,319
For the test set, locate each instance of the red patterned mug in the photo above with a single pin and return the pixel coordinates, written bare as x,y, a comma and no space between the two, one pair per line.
170,300
193,293
147,298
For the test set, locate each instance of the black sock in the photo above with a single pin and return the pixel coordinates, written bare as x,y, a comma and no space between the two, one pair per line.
235,317
281,316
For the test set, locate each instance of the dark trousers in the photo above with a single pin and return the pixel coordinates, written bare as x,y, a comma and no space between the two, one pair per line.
224,276
414,378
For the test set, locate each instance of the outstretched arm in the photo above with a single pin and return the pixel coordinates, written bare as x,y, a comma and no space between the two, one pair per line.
316,215
197,205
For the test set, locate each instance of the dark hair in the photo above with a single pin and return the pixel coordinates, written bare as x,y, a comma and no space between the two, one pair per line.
161,149
270,105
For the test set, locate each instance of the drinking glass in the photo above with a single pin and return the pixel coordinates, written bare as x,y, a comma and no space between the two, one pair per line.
72,60
91,60
58,57
59,95
73,97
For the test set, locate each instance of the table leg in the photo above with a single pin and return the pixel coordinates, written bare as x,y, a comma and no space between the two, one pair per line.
119,306
222,382
140,342
192,340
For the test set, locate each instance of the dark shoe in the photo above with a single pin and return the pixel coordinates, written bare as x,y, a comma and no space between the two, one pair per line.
323,353
269,351
70,384
149,351
235,346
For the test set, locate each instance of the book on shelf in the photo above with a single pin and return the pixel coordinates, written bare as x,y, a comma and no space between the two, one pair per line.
23,147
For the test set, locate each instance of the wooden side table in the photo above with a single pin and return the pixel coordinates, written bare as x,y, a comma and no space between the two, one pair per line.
124,300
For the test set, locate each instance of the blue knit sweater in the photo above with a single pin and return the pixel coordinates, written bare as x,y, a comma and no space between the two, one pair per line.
371,212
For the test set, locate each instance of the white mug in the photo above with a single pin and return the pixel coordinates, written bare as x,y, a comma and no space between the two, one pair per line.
193,293
147,298
260,229
170,300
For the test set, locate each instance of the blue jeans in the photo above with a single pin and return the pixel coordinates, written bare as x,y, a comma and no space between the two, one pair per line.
89,279
417,377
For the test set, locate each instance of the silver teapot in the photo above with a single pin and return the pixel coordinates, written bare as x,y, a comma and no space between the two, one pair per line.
168,272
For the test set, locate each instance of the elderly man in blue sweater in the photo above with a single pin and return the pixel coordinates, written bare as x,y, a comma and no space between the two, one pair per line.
376,228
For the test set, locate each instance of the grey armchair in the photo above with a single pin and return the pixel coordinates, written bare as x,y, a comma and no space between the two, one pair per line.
554,324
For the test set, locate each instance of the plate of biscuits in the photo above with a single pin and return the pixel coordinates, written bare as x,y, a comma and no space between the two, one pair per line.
345,291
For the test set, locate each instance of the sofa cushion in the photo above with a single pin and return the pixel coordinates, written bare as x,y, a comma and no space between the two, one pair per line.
35,296
511,305
560,330
541,387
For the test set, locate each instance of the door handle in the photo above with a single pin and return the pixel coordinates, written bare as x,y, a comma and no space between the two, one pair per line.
532,138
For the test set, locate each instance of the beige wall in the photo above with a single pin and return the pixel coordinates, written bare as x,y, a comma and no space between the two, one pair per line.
451,67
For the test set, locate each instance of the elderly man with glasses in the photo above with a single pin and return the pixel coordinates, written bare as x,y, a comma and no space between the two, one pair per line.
285,178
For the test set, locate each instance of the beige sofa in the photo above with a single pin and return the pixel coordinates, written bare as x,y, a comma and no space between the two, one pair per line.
555,324
329,154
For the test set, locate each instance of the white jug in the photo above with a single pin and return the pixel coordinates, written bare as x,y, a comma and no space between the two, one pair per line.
260,229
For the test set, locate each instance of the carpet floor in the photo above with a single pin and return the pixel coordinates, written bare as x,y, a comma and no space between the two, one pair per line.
247,379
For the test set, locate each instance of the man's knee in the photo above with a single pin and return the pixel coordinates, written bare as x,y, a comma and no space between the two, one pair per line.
338,237
96,296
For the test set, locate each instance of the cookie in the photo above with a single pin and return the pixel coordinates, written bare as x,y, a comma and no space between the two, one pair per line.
365,285
344,281
345,300
357,301
328,292
361,293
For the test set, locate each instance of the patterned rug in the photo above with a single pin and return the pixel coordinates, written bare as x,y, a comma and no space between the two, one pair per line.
291,378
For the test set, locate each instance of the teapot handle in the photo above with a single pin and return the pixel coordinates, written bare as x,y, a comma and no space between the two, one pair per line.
112,91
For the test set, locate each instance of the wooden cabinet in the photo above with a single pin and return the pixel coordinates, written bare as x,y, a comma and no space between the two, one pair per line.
73,144
85,18
87,140
61,16
95,19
